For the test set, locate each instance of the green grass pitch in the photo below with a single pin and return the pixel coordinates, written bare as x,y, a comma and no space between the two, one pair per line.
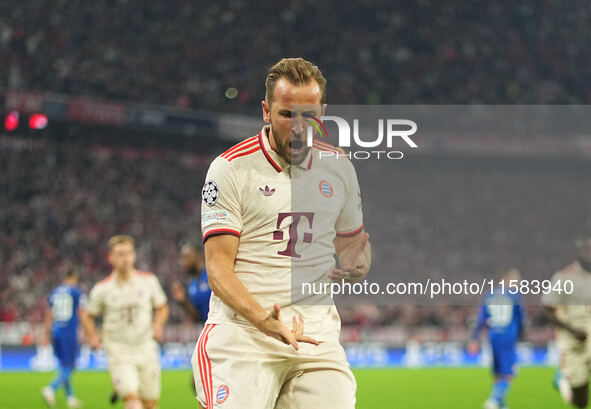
439,388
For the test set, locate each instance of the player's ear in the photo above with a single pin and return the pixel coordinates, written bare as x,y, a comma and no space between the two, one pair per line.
266,111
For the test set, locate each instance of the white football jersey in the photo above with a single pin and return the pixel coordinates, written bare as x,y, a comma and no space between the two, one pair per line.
286,217
127,308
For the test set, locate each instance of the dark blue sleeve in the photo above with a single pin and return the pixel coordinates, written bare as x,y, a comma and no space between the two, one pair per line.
518,315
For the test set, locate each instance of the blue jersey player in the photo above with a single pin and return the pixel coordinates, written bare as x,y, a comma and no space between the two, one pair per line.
195,301
65,303
502,314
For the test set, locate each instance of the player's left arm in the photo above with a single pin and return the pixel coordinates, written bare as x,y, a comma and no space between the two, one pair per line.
160,317
352,241
180,295
161,310
354,255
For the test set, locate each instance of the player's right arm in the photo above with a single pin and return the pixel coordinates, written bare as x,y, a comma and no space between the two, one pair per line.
220,255
92,336
552,317
87,315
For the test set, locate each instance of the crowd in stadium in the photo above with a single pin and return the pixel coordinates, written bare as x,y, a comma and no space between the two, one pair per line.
63,201
374,51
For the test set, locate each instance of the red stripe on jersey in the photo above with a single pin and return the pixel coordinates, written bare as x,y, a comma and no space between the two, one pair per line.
353,233
219,232
208,365
201,364
205,365
269,158
310,161
571,268
243,153
240,149
239,146
106,279
321,148
325,144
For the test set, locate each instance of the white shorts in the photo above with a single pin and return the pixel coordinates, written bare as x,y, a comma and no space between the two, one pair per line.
240,367
575,364
135,369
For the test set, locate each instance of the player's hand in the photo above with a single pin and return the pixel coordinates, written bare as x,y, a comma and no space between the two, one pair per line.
274,327
298,330
473,347
158,332
94,341
178,291
580,335
353,260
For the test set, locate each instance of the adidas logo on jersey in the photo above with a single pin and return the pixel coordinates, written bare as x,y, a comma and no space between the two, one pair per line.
266,191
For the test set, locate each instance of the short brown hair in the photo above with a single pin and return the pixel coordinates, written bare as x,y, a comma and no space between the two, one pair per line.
297,71
120,238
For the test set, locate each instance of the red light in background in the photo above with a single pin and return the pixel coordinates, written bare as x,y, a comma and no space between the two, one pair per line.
11,121
38,121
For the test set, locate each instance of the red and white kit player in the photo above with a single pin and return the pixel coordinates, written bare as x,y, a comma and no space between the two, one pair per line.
272,206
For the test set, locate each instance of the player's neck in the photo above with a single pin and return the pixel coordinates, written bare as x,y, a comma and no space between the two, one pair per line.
269,136
70,283
123,276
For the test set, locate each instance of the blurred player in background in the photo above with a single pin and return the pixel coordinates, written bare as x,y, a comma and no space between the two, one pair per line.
502,314
571,314
66,304
134,309
196,305
247,356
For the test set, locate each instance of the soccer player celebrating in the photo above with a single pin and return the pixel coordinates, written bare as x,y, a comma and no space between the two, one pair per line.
253,351
134,310
571,314
502,313
66,305
198,291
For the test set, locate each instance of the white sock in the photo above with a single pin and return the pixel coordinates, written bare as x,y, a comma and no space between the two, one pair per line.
565,390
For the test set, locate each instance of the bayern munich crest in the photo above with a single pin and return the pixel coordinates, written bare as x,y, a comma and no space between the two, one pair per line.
210,193
325,188
222,394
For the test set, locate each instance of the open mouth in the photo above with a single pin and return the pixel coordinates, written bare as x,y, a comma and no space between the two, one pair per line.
296,146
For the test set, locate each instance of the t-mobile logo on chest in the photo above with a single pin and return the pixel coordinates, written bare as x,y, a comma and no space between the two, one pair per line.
290,251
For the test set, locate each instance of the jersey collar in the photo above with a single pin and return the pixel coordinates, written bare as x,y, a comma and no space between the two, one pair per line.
276,161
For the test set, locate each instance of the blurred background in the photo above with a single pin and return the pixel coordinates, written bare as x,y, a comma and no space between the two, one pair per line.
112,111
